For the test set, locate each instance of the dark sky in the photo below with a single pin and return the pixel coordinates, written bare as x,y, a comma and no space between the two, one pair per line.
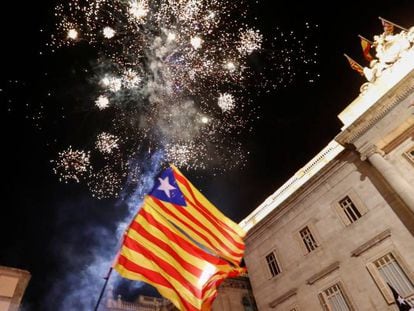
57,231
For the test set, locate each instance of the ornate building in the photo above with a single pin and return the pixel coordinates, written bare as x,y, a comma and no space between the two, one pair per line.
13,283
338,233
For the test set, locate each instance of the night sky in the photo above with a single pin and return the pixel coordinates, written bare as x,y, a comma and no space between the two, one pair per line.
58,232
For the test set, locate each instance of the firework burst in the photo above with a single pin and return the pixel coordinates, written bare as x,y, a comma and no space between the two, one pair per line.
72,165
172,72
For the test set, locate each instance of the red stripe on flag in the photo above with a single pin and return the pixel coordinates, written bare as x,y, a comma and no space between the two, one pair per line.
167,248
153,277
184,212
203,210
167,267
189,247
218,225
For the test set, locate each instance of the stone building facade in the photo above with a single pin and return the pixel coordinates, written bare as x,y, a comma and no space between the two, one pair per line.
13,283
235,294
342,228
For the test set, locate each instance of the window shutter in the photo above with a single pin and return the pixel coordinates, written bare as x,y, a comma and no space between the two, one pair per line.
345,295
341,214
323,302
358,203
382,285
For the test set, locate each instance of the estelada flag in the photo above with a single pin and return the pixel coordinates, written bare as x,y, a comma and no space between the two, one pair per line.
181,244
366,48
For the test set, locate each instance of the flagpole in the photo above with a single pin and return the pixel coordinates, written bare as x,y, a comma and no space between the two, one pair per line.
103,288
363,38
398,26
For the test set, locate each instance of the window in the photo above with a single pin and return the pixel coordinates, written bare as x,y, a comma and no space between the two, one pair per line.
388,270
308,239
350,210
410,154
350,207
334,299
272,264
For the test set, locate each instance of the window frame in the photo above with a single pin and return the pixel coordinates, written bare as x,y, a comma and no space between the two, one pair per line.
314,238
323,298
379,280
407,154
355,200
268,269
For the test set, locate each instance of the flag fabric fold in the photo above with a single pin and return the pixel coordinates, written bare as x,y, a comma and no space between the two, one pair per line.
402,304
366,48
181,244
354,65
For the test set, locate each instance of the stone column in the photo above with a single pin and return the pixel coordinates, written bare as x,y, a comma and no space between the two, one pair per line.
397,182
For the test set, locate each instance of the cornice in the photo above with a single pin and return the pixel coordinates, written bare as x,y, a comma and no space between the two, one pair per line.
303,191
370,243
317,276
283,297
377,111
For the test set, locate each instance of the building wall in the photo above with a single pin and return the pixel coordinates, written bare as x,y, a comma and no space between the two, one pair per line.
13,283
234,294
374,172
315,208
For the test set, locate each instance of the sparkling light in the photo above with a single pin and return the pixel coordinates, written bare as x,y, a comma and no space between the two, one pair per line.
71,165
250,40
196,42
72,34
171,73
108,32
113,84
226,102
138,9
106,143
102,102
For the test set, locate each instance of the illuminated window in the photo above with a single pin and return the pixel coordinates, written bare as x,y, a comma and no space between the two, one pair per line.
272,264
308,239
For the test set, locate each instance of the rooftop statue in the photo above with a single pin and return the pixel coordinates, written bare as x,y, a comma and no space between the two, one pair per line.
389,48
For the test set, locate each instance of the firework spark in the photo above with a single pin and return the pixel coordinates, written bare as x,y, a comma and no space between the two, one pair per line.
72,165
166,67
72,34
250,40
102,102
106,143
226,102
108,32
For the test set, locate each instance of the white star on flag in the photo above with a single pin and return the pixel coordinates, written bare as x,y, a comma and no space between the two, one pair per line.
165,186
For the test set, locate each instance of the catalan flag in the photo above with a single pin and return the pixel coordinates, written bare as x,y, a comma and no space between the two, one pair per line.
354,65
181,244
366,48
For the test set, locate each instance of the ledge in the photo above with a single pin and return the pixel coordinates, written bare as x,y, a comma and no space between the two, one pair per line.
284,297
372,242
322,273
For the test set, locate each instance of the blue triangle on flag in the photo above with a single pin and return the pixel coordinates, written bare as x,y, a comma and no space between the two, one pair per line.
166,188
